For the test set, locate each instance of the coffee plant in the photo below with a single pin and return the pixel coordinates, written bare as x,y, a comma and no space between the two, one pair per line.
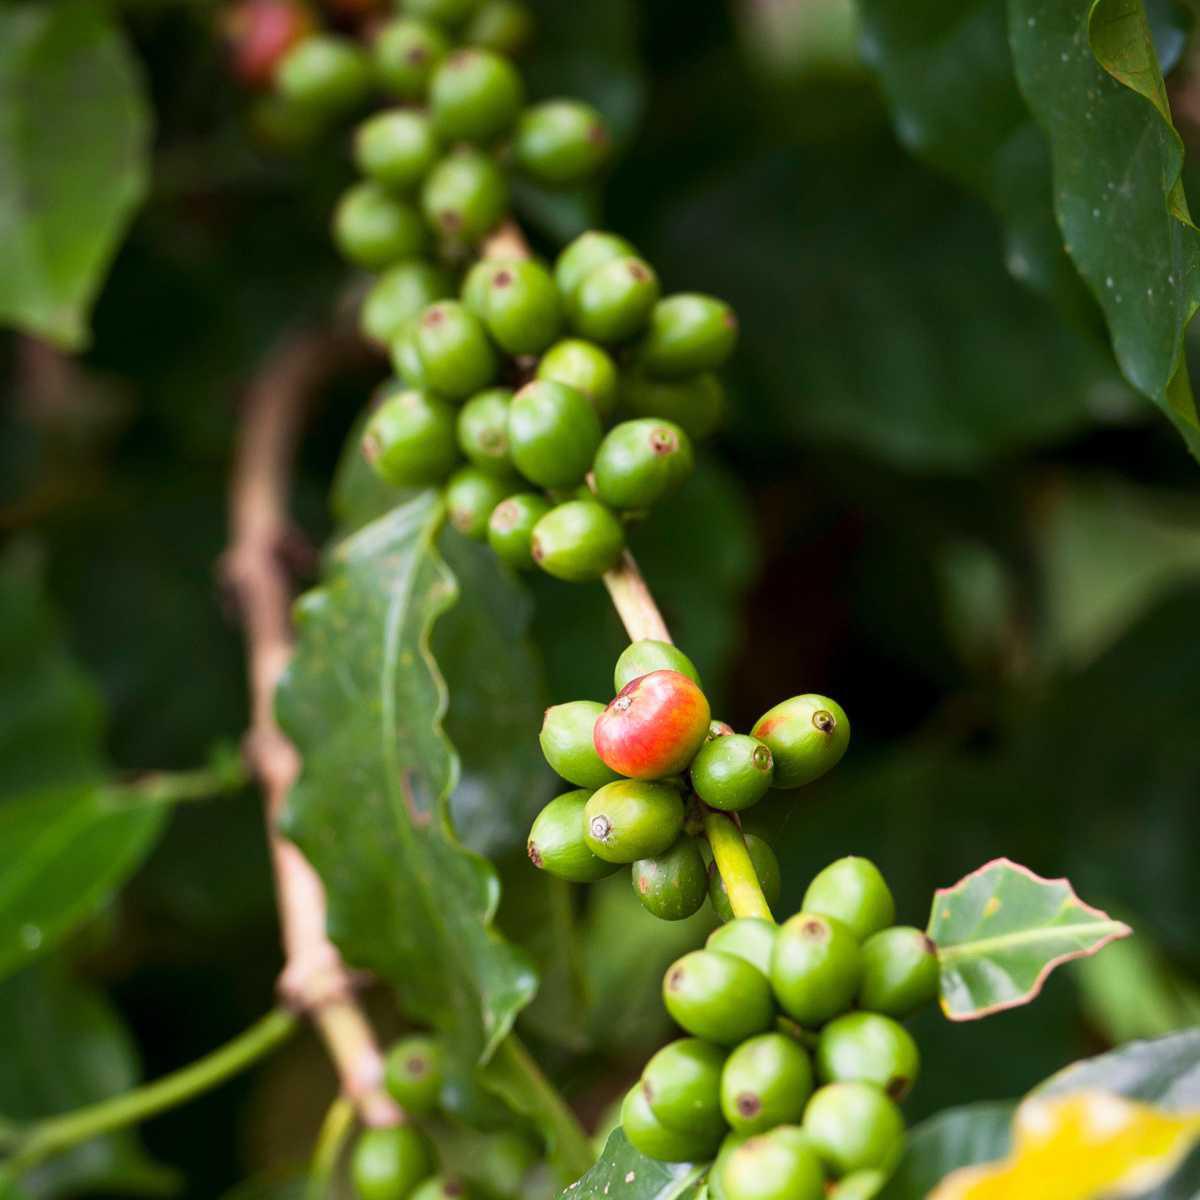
560,915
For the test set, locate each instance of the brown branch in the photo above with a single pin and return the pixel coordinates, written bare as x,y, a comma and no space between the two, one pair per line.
314,981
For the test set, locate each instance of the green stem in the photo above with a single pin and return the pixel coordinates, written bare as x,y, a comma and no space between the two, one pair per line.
737,871
225,775
335,1129
57,1134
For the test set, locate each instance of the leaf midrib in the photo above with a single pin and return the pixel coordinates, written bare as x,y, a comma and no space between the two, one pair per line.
1025,937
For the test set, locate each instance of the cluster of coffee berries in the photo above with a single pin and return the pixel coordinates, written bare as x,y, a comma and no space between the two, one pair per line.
542,481
796,1057
652,761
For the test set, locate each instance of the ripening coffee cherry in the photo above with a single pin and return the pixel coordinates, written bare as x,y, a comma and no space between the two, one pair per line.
766,1082
688,332
718,729
751,938
863,1047
561,142
397,148
557,844
779,1165
324,74
695,403
413,1074
613,301
510,532
672,885
553,432
577,541
483,431
405,52
472,496
654,726
815,968
566,741
521,308
475,95
410,440
505,26
375,229
732,772
400,294
766,868
808,736
652,1138
388,1163
682,1085
853,1126
859,1185
853,890
640,462
630,819
444,12
647,654
443,1187
718,997
587,252
900,971
454,350
585,367
465,195
259,33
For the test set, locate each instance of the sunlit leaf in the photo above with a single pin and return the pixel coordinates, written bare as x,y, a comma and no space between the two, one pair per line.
624,1173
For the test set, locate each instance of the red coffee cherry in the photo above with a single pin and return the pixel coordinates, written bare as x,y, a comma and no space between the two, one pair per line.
654,726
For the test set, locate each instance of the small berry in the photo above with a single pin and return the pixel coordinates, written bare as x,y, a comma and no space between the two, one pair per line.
695,404
815,967
406,359
521,307
444,12
566,741
324,73
557,844
388,1163
613,301
732,772
444,1187
716,1190
405,52
780,1165
454,350
413,1073
375,229
465,195
647,654
505,26
862,1047
647,1134
474,95
859,1185
630,819
766,868
672,885
587,252
260,33
471,497
553,433
751,938
688,333
577,541
853,1126
654,726
766,1082
561,142
396,148
409,439
718,997
900,971
398,295
853,890
478,280
585,367
682,1085
640,462
718,729
510,530
483,430
808,736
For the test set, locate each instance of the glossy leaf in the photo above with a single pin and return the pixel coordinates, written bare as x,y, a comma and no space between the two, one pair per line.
625,1173
1002,929
73,161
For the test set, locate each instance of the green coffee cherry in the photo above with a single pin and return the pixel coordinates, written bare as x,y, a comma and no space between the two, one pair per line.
510,528
586,368
808,736
474,95
483,431
465,195
566,741
472,496
688,333
640,462
504,1159
647,654
324,74
751,938
553,433
716,1190
613,301
815,968
410,440
400,294
682,1085
454,350
766,1082
655,1140
853,1126
853,890
443,1187
861,1185
631,819
413,1074
766,867
718,997
900,971
577,541
478,279
863,1047
444,12
561,142
396,148
521,308
405,52
780,1165
375,229
732,772
672,885
557,844
587,252
695,403
388,1163
505,26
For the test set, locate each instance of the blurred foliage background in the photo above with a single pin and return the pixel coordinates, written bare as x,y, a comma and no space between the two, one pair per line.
935,499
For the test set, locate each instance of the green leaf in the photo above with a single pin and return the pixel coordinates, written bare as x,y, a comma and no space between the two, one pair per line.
1002,929
73,161
624,1172
364,702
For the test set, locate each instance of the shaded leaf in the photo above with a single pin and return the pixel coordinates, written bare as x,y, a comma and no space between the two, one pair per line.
1164,1072
625,1173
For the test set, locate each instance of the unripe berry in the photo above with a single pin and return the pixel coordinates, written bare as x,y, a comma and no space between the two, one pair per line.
688,332
413,1074
853,1126
388,1163
553,433
640,462
260,33
397,148
375,229
654,726
444,12
510,528
861,1047
400,294
521,307
454,350
718,997
587,252
465,195
652,1138
780,1165
808,736
815,968
444,1187
505,26
483,431
718,729
900,971
766,1082
577,541
859,1185
471,497
474,95
478,279
613,301
561,142
566,741
557,843
324,73
751,938
853,890
406,51
630,819
586,368
647,654
695,403
410,440
766,869
406,358
682,1085
672,885
733,772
